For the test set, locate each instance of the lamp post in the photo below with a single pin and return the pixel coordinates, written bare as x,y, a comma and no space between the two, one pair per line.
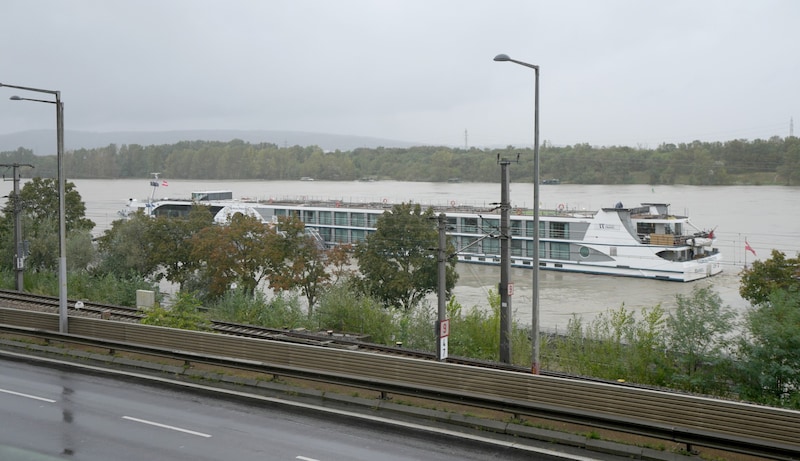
62,227
535,283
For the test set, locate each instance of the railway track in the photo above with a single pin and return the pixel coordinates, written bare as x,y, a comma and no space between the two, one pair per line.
28,301
330,339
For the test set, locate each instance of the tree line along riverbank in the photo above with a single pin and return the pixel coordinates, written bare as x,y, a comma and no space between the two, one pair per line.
774,161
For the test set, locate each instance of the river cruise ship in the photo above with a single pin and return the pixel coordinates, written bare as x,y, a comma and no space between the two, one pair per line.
643,241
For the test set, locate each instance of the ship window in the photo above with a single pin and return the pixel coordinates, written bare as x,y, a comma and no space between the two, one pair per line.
490,225
559,250
280,212
491,246
529,249
325,233
516,247
340,218
469,225
325,217
358,235
452,224
358,219
529,229
467,241
645,228
308,217
559,230
372,219
516,228
340,236
584,252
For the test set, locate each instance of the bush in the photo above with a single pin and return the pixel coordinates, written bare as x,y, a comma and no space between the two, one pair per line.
343,310
615,345
183,314
240,307
476,333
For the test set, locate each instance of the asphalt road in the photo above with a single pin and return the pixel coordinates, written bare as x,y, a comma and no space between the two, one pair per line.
54,412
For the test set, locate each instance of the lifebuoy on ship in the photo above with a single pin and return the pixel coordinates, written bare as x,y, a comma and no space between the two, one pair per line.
452,203
560,207
385,201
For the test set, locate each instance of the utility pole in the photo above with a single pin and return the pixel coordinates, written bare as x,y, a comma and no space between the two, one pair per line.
19,246
506,288
442,322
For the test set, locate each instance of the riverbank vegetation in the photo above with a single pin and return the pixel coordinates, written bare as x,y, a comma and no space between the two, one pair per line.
226,272
773,161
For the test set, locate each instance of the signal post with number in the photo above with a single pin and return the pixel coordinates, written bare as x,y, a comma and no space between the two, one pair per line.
443,331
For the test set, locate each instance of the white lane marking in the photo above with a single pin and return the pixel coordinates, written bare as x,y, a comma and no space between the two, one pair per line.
303,458
27,396
164,426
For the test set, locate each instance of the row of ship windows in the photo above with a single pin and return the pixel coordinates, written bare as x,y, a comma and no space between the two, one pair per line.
456,224
489,246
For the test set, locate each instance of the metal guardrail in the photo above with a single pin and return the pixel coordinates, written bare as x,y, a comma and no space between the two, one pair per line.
733,426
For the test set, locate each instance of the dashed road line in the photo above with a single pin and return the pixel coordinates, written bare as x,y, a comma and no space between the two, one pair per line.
164,426
27,396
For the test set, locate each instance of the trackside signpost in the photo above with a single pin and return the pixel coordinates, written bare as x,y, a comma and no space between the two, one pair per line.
444,331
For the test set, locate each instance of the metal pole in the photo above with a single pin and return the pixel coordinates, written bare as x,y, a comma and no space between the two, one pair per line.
62,227
535,312
442,286
505,265
535,284
19,251
19,246
62,224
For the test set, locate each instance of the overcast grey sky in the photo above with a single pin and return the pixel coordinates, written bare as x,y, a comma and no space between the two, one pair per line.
619,72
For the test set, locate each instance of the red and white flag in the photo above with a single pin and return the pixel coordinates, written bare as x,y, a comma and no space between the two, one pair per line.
164,183
747,247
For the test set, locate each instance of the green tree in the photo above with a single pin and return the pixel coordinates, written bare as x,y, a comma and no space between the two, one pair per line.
242,252
398,261
304,263
38,203
769,352
125,249
790,168
170,244
699,329
764,277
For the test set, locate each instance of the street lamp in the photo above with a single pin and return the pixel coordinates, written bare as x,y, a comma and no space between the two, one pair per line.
535,284
62,227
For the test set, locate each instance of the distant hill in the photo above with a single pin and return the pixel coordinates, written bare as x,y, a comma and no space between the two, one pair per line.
43,142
